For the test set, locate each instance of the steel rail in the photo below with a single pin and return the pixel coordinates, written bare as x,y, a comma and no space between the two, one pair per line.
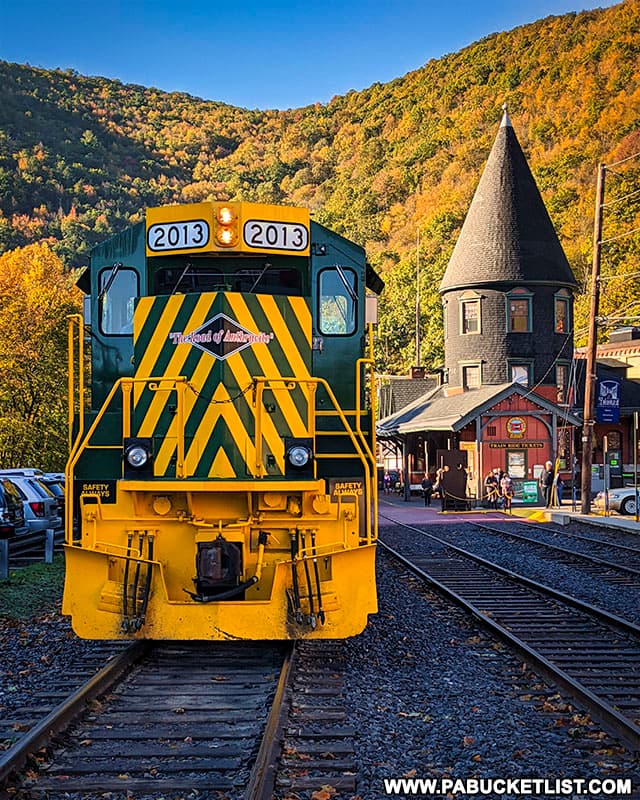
571,553
607,617
582,538
261,784
599,707
68,710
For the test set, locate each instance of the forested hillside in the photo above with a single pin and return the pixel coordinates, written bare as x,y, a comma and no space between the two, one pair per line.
82,157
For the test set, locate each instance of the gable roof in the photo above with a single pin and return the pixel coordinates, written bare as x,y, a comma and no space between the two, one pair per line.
507,235
399,391
435,411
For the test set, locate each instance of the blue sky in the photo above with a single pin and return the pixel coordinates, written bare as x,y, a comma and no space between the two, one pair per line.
282,54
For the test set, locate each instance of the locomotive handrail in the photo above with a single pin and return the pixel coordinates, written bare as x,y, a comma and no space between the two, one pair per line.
365,455
363,362
81,441
180,384
74,455
75,321
261,383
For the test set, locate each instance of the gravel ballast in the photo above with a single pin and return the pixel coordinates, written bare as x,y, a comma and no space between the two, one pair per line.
433,696
430,695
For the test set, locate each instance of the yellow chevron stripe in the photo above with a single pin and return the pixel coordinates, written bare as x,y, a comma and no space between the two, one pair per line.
238,367
161,332
225,409
221,467
270,369
176,363
286,340
197,380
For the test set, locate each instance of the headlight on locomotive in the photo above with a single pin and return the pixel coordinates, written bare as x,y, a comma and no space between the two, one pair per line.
298,458
227,234
138,458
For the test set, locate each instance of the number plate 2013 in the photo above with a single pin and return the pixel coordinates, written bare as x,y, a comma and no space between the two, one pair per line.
262,235
193,233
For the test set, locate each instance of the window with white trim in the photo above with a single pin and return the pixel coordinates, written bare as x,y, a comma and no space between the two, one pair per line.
520,373
471,376
470,313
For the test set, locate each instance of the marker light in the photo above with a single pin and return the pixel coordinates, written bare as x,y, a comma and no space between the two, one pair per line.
227,226
225,215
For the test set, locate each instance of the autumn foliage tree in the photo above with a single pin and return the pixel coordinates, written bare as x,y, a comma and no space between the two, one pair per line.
36,295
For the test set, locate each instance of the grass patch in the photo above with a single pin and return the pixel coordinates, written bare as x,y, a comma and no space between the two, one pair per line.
32,590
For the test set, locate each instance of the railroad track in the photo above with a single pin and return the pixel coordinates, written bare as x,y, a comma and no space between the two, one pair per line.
622,545
203,718
614,563
587,531
591,654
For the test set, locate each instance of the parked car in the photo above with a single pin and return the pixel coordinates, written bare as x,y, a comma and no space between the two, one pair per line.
56,487
622,500
31,472
39,503
12,521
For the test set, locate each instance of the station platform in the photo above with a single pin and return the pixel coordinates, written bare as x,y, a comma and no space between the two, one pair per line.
414,512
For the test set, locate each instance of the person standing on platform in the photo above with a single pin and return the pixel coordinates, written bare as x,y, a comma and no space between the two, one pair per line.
506,486
492,489
546,483
427,489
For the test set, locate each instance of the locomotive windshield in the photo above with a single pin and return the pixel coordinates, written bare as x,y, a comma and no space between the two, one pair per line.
255,277
338,301
118,291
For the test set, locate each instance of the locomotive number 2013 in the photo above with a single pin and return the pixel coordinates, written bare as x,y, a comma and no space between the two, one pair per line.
178,235
275,235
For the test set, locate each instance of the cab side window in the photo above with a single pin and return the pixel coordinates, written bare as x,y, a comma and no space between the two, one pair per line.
118,291
338,312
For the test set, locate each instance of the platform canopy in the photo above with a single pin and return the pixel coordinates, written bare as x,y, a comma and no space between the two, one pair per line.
438,411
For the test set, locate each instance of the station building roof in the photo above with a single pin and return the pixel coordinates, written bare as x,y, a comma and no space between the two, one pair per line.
438,410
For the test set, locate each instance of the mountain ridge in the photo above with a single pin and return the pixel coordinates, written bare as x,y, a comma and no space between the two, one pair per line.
379,165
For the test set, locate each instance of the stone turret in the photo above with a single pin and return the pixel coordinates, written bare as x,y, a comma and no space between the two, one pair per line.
508,289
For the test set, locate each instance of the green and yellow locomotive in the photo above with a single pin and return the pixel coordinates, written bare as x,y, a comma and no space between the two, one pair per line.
222,483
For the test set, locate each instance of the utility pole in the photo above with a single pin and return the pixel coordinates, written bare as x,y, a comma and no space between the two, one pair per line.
590,372
418,297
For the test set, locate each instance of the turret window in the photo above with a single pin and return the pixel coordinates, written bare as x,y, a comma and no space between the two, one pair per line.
519,311
561,309
520,373
470,313
471,376
562,383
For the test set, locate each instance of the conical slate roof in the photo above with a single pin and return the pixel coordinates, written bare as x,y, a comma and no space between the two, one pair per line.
507,235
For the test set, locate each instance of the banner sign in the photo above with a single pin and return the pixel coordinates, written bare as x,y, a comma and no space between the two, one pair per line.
516,445
608,400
